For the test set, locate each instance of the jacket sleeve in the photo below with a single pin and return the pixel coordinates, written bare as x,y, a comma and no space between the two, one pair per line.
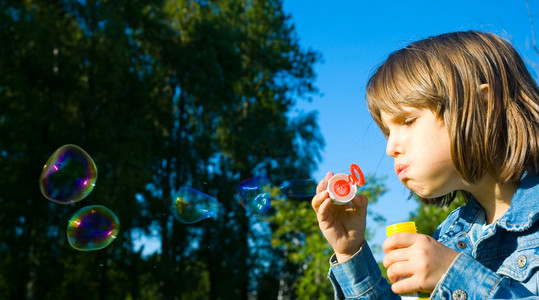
466,278
360,278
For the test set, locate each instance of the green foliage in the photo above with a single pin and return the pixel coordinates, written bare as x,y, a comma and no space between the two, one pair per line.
298,237
162,94
383,270
428,217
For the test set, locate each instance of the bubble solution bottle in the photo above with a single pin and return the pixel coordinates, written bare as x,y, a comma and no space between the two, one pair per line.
406,227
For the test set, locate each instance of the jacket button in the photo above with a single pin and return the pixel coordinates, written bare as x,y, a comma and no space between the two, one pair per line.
521,261
460,295
462,244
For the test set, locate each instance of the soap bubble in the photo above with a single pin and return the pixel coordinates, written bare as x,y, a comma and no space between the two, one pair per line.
68,176
92,227
190,206
254,195
298,188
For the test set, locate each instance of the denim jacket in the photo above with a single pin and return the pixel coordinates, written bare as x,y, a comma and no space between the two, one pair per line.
502,264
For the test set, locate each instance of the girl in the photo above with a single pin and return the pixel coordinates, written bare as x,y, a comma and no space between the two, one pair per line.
460,113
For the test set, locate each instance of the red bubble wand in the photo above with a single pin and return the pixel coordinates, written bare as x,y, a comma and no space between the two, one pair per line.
343,187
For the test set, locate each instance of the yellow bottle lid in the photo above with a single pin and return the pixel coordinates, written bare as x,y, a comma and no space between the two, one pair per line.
401,227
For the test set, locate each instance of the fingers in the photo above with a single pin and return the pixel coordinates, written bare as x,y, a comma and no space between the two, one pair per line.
406,284
321,192
399,240
396,248
318,199
405,280
324,210
360,203
399,272
322,185
394,256
415,262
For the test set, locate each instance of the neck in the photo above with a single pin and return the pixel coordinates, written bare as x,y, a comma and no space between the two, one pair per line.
494,197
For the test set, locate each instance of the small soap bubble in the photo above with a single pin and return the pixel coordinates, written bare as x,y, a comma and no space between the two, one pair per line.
190,206
68,176
298,188
92,227
254,195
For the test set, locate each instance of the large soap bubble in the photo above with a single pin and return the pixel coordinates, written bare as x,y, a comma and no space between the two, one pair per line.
190,206
254,195
298,188
68,176
92,227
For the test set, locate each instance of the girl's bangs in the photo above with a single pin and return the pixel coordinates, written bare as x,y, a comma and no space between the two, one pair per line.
403,80
391,88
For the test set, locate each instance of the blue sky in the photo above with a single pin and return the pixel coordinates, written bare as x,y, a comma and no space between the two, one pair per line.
354,37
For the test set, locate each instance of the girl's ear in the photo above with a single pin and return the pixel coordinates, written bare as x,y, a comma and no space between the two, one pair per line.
483,93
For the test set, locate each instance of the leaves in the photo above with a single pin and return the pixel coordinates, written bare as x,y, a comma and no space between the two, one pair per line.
428,217
161,94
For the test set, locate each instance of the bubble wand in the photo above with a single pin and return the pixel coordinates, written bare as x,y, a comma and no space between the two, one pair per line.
343,187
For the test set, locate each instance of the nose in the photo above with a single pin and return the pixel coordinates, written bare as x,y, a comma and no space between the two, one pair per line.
393,147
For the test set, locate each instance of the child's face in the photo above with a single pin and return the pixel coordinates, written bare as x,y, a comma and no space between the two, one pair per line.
419,143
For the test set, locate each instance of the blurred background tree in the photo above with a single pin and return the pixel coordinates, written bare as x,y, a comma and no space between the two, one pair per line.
162,94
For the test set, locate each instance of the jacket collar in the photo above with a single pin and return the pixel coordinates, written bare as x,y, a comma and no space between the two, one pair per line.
522,213
524,209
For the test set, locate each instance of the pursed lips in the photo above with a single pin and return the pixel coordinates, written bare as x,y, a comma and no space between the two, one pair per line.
400,169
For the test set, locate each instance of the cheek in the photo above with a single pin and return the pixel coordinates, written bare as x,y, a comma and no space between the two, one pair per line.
438,175
439,180
439,162
438,147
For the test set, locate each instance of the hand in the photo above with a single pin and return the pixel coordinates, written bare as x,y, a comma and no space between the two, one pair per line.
342,225
415,262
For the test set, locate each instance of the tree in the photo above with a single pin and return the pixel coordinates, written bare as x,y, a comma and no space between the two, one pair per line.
233,84
68,76
162,94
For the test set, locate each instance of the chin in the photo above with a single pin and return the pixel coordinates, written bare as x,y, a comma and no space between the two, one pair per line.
426,193
429,196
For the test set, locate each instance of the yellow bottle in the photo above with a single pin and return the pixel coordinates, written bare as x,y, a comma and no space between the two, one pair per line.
406,227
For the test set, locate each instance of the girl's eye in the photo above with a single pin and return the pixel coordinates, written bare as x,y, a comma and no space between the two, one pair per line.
409,121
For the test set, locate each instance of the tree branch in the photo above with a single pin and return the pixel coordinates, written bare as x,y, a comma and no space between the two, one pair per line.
534,44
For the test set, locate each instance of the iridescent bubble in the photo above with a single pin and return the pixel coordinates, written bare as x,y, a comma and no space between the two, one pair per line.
68,176
190,206
298,188
254,195
92,227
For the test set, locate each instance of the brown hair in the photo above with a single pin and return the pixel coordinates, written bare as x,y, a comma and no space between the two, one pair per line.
494,133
